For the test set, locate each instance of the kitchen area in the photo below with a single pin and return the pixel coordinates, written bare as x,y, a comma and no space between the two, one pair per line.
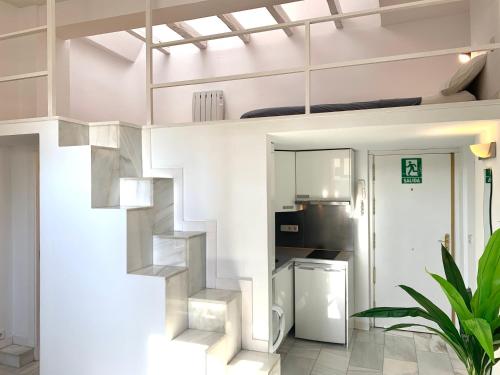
313,276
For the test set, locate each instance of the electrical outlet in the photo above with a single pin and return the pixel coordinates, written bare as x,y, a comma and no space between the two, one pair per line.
2,334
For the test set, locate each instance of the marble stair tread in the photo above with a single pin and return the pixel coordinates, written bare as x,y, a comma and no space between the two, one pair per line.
124,207
159,271
215,296
248,362
197,339
16,355
180,235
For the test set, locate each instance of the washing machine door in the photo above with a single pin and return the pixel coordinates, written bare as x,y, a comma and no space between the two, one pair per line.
278,324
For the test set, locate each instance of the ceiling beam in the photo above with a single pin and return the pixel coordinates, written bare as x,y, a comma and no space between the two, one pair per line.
279,14
234,25
164,50
335,9
187,32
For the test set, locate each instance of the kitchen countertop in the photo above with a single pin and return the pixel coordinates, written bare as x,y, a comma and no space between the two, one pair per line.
287,255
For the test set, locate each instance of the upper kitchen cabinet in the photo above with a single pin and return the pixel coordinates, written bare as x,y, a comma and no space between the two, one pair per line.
325,175
284,198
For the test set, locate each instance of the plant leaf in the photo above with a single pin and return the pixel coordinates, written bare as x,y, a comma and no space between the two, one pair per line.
435,314
488,275
482,332
495,325
493,308
392,312
456,300
454,276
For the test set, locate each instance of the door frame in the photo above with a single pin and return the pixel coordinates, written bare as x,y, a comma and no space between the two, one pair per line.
460,206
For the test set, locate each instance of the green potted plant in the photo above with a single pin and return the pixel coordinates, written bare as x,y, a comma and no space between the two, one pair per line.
478,335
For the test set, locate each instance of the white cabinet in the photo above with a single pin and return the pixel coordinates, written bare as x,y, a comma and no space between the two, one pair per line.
283,294
325,174
284,167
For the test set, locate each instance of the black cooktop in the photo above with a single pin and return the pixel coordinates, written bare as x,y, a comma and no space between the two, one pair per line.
324,254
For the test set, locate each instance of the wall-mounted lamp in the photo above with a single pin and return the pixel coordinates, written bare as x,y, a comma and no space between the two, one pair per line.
484,150
464,58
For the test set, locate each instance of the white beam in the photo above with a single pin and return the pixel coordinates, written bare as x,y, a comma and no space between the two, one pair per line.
335,9
382,10
234,25
187,32
163,50
51,59
280,16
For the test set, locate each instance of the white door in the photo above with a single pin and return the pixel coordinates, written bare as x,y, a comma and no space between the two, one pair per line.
412,213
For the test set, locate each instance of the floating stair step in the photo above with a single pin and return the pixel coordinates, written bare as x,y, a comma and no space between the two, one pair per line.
197,352
249,362
181,235
16,356
183,249
159,271
218,310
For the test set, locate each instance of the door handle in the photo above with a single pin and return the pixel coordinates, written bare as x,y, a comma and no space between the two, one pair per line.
446,241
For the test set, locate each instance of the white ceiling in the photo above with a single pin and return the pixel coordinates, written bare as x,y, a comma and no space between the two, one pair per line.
26,3
417,14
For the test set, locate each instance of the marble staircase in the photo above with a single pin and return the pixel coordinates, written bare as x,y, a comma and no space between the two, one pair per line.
203,327
16,355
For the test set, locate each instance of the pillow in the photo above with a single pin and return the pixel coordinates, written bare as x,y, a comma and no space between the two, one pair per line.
462,96
465,75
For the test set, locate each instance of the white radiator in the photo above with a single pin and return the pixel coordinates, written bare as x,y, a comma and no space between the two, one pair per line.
208,106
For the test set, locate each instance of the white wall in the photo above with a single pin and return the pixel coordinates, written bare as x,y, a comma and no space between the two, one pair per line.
225,169
104,86
485,28
24,170
5,247
18,250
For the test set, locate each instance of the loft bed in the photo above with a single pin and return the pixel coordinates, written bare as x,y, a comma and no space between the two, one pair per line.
458,89
455,91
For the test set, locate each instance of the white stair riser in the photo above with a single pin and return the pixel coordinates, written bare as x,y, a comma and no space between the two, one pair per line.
190,253
176,305
16,361
219,317
139,239
136,192
105,177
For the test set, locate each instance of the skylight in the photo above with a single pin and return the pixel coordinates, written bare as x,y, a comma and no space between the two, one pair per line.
213,25
208,25
254,18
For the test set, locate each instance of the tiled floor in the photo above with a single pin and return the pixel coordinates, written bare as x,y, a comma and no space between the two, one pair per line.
30,369
371,353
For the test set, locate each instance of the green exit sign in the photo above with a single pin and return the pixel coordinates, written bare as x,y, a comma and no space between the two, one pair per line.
411,170
488,176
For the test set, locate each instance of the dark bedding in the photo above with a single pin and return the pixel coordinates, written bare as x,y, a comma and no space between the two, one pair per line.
322,108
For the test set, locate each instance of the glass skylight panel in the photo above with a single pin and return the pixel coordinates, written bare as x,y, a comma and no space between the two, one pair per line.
208,25
254,18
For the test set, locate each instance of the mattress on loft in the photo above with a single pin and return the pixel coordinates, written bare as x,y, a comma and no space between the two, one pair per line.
323,108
